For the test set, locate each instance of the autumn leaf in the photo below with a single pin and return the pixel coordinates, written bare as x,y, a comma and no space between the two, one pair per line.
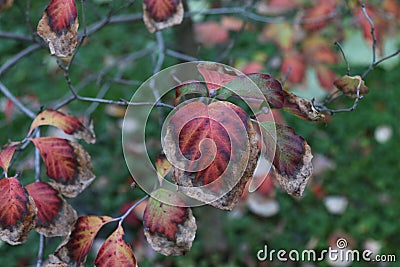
319,50
59,27
270,87
6,154
216,75
17,212
216,146
325,77
69,124
350,84
115,251
319,15
67,163
161,14
294,65
5,4
54,215
190,89
163,167
301,107
170,230
74,249
292,160
280,33
210,33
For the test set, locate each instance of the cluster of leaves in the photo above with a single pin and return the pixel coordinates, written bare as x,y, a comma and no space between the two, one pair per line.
171,229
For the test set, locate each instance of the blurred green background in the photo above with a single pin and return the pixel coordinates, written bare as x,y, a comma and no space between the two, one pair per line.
363,169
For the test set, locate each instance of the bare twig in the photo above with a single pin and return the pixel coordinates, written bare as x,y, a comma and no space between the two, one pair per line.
134,205
371,23
42,240
344,57
16,102
180,56
15,36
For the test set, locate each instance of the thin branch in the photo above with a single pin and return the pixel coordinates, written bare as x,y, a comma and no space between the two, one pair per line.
344,57
134,205
37,159
180,56
42,240
15,36
371,23
16,102
12,61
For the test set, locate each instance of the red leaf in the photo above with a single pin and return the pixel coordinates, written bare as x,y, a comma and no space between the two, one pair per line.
301,107
67,163
17,212
380,24
115,251
215,75
210,33
76,246
319,15
170,230
294,62
326,77
319,50
6,154
54,216
69,124
59,27
204,140
160,14
270,87
292,161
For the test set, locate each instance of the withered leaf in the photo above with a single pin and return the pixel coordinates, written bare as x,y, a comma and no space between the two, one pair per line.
163,167
292,165
302,108
69,124
170,230
55,216
74,249
161,14
59,27
350,84
115,251
17,212
6,154
67,163
215,151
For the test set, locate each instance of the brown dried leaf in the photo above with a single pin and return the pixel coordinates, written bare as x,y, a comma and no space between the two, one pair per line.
55,215
349,85
170,230
6,154
59,27
161,14
17,212
301,107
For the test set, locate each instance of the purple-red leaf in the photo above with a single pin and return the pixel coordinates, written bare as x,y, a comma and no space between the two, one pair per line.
17,212
215,145
216,75
270,87
76,246
6,154
67,163
54,215
161,14
59,27
69,124
292,161
115,251
170,230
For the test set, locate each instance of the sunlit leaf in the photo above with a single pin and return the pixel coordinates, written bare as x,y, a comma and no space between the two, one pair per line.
69,124
6,154
161,14
76,246
205,139
301,107
350,84
67,163
17,212
54,215
292,165
170,230
59,27
115,251
280,33
216,75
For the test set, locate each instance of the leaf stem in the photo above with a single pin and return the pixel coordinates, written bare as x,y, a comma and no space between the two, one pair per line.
134,205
